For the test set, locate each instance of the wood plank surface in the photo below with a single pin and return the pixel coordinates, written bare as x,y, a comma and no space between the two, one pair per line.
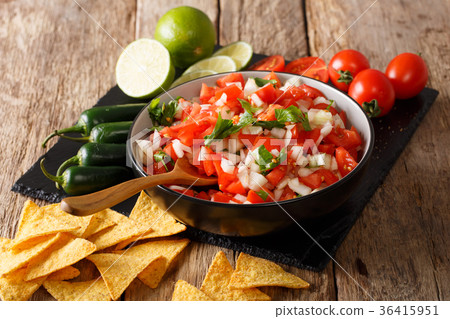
397,249
56,62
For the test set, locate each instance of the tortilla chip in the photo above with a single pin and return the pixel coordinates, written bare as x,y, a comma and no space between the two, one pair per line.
216,281
93,290
70,220
118,271
11,260
168,249
14,287
66,273
29,212
145,212
124,229
186,292
257,272
66,253
96,224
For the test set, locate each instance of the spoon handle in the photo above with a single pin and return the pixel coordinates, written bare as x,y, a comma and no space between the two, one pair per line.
88,204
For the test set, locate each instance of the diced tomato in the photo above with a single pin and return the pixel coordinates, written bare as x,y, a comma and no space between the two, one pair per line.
236,188
327,148
223,179
314,134
196,108
343,116
277,174
232,91
206,93
248,139
188,192
231,78
288,194
158,168
269,113
327,176
203,195
313,180
310,92
353,152
345,138
254,198
211,192
273,76
346,163
287,102
294,132
267,93
221,197
167,131
324,106
186,137
168,149
269,143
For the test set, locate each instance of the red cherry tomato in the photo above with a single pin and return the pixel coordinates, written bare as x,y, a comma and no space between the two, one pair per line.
408,74
344,66
311,67
373,91
271,63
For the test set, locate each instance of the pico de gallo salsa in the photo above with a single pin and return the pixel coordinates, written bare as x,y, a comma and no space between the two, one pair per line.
264,140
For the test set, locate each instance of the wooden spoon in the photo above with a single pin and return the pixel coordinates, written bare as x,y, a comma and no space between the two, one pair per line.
183,173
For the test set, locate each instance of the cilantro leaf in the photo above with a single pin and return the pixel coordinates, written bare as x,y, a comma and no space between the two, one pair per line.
164,158
162,114
265,159
293,114
248,107
261,82
225,128
269,124
262,194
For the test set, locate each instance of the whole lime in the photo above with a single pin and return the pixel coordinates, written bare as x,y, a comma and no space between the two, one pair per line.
187,33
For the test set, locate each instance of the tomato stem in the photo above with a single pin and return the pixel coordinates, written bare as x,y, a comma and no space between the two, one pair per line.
345,77
372,109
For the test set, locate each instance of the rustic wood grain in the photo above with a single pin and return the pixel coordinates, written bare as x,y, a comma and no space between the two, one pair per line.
398,248
271,27
55,63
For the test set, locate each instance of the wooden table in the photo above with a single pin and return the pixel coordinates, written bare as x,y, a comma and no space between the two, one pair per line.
56,62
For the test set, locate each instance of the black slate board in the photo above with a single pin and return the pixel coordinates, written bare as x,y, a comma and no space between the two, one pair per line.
292,246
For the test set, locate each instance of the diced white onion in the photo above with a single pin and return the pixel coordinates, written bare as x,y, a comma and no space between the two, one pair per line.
222,100
321,99
275,152
238,84
293,81
320,118
177,188
255,98
240,197
334,165
156,140
277,193
278,132
338,121
326,129
250,87
282,184
252,130
317,160
254,167
244,177
301,160
256,181
298,187
144,152
266,132
178,148
303,105
227,165
296,151
303,171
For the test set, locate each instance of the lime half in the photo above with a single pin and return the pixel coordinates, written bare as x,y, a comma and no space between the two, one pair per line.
218,64
241,52
192,76
144,69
